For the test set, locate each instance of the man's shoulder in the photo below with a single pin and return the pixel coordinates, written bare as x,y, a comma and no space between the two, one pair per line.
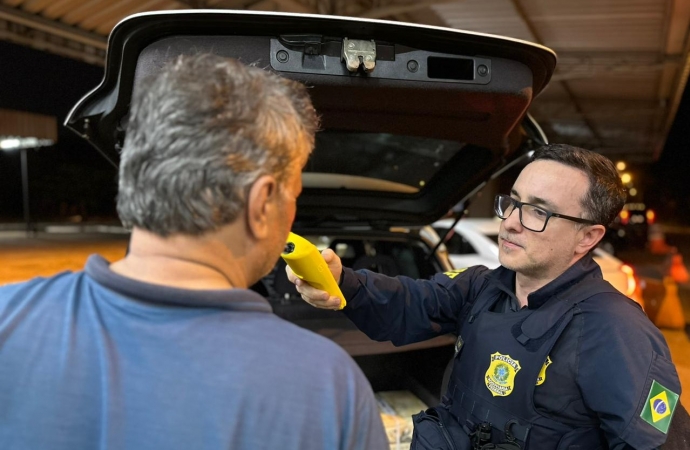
289,348
472,280
470,273
315,346
609,303
611,316
37,286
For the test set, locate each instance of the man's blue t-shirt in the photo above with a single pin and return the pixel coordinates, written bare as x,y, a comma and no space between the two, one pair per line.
95,360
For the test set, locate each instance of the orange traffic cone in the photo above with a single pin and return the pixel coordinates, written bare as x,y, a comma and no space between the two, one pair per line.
656,240
678,271
670,313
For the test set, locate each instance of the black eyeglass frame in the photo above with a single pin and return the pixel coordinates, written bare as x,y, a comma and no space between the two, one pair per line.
518,205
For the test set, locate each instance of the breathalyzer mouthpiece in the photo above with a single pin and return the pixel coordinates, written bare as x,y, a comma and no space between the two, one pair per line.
289,248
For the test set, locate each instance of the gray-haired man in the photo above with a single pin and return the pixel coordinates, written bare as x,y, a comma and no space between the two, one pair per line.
166,348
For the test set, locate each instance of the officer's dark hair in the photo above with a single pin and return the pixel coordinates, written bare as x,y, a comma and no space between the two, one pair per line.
606,195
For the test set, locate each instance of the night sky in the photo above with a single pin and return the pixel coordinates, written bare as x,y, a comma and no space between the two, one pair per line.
71,179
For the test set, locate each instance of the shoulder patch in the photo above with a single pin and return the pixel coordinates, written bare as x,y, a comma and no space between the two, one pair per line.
542,373
659,407
454,273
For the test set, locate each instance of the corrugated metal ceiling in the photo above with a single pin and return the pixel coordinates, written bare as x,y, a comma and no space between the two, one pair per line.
620,70
622,63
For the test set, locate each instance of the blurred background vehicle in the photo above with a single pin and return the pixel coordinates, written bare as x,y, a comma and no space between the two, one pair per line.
474,241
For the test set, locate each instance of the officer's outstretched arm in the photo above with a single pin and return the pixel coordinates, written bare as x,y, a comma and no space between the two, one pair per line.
317,297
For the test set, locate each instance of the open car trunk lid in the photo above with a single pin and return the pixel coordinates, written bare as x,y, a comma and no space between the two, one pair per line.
423,116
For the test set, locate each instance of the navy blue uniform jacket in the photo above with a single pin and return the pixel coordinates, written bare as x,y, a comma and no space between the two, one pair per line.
602,363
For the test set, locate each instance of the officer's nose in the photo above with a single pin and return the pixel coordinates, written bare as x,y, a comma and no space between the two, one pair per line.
512,222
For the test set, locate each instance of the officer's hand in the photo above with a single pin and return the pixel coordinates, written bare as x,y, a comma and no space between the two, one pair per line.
317,297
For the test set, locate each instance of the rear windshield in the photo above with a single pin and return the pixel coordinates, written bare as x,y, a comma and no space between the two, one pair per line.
408,161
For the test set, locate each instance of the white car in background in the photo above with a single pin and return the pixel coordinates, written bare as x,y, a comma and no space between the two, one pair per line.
474,241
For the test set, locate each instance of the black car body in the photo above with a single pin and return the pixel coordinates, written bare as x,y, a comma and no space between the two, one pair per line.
422,119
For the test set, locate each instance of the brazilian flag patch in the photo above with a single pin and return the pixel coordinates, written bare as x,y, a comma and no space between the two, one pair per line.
659,407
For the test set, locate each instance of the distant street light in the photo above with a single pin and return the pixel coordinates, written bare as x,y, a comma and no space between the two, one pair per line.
22,131
626,178
14,142
620,165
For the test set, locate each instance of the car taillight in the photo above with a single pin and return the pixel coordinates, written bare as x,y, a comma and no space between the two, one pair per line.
651,216
625,216
632,280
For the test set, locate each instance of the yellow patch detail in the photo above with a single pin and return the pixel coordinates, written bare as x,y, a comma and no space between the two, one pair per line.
500,376
454,273
542,374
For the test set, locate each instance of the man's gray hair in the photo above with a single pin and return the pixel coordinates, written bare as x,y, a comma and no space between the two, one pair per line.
199,134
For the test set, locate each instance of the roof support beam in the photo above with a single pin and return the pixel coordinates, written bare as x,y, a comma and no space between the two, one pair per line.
41,34
52,27
283,5
674,77
401,8
521,12
576,72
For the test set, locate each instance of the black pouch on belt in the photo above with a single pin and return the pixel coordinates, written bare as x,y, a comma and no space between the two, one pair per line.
436,429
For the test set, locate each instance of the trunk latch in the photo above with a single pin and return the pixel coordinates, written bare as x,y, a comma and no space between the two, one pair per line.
357,52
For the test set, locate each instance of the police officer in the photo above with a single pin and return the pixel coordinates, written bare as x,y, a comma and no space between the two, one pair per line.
548,355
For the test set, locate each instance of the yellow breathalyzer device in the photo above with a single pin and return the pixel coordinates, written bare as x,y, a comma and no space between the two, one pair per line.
306,262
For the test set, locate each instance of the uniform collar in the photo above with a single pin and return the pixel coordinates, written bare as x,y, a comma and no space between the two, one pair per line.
98,269
583,268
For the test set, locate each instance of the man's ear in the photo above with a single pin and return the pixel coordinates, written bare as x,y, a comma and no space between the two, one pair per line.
261,200
591,236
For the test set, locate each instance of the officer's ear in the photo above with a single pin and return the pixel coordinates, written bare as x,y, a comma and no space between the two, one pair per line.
590,235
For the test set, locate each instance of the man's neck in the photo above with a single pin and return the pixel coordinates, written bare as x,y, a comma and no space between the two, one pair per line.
526,285
186,262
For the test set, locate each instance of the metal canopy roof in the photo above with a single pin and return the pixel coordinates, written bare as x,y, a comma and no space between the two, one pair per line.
622,67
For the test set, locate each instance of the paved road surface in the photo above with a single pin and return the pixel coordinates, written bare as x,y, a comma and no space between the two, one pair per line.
47,254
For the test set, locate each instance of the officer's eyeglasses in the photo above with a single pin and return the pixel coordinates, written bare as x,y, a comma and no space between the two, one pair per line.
532,217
